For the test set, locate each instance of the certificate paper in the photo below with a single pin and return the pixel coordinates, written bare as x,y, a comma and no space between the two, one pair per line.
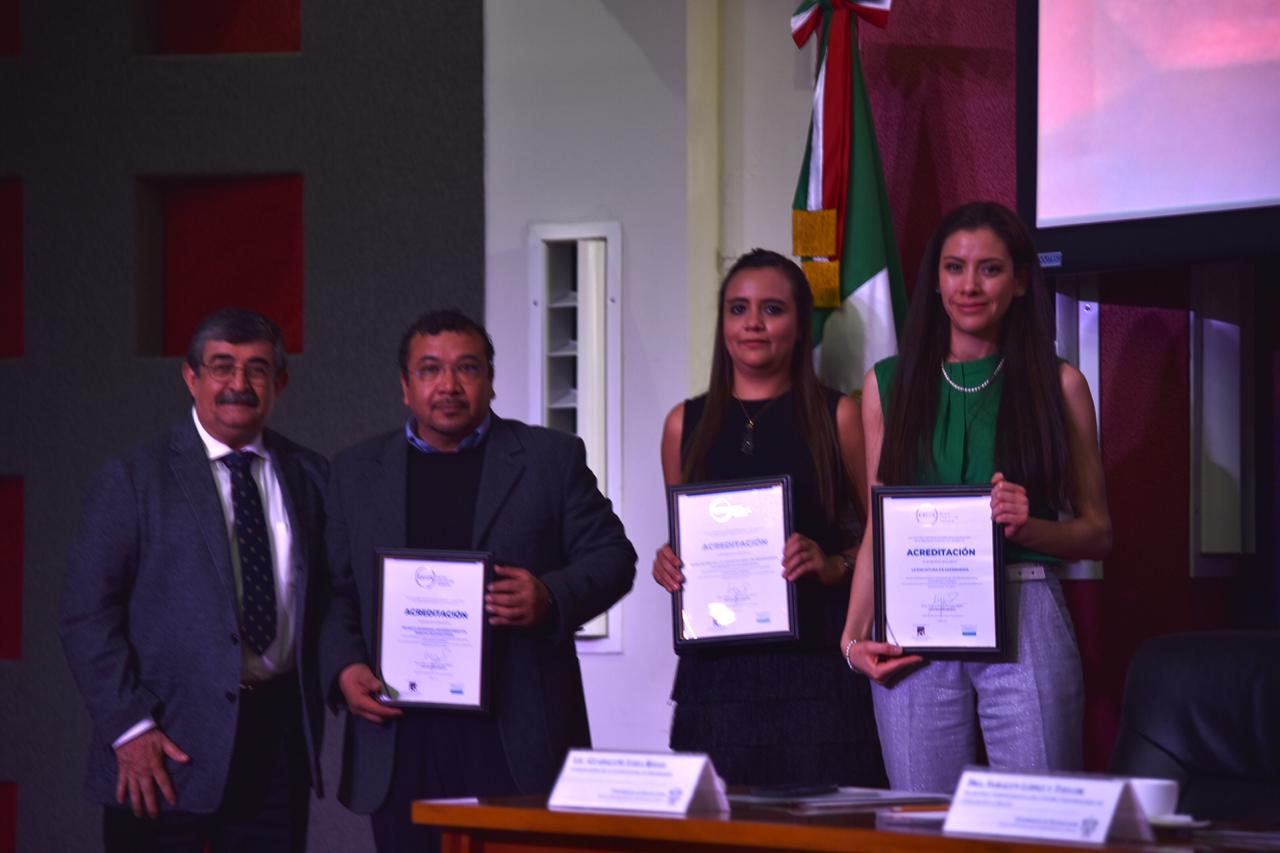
730,537
939,570
432,631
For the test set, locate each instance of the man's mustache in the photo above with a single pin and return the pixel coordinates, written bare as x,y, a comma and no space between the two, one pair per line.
247,397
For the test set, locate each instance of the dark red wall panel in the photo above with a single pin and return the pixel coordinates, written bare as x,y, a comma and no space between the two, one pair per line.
11,533
11,322
1145,445
941,82
228,26
10,27
231,242
1146,439
1144,360
8,817
1101,711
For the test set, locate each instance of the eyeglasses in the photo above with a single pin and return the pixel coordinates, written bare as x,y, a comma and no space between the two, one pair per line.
224,371
465,371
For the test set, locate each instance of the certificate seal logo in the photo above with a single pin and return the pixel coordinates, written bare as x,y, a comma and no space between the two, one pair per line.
428,579
722,509
926,515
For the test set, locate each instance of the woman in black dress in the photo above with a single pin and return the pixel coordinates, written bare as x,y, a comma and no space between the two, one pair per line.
776,713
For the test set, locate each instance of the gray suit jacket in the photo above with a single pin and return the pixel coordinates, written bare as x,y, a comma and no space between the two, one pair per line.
149,614
538,508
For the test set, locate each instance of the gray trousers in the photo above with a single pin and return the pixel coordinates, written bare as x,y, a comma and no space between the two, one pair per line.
1029,709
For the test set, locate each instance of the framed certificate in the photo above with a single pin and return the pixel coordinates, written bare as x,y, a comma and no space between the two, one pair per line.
730,537
939,570
432,643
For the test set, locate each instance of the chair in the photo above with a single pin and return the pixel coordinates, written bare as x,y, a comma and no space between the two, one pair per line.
1204,709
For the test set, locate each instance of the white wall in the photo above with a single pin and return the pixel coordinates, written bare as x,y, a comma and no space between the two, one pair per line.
585,118
585,121
760,85
766,94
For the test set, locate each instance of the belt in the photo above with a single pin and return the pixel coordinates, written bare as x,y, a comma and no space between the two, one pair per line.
1027,571
281,680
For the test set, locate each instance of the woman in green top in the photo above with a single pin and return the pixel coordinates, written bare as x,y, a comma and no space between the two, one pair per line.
976,397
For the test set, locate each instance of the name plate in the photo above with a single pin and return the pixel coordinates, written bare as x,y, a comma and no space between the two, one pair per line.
1050,807
658,783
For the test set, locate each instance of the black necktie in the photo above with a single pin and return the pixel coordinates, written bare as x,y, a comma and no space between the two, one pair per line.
258,599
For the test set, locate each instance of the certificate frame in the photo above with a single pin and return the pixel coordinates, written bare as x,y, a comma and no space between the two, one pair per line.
996,646
685,638
471,571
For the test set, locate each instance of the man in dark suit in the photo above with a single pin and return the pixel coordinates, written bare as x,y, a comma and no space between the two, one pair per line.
189,614
458,477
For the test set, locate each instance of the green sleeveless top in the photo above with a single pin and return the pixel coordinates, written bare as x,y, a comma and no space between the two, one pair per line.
964,437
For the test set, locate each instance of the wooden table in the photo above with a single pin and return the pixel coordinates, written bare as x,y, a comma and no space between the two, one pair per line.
525,825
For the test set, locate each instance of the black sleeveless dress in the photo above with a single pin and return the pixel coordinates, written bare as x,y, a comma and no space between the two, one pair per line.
778,714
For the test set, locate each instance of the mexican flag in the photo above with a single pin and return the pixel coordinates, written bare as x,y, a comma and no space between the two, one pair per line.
842,227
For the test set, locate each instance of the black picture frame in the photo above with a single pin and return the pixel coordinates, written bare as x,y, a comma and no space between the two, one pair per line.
484,563
880,630
792,630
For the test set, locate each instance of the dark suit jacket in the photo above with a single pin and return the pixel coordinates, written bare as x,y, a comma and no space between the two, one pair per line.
149,614
538,508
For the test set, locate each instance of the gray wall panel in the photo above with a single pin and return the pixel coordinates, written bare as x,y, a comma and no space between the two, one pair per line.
381,113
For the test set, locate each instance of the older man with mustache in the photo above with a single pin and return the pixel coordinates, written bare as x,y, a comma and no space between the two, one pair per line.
189,614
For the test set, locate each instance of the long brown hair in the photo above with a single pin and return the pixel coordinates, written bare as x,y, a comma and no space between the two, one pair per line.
1031,435
812,418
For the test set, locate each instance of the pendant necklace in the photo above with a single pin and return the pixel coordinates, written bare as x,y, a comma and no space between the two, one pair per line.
748,446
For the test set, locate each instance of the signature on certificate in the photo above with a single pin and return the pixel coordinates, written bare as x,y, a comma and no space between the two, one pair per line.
435,662
943,604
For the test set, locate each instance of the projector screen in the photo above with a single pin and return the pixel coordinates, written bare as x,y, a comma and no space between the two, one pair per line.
1157,107
1147,110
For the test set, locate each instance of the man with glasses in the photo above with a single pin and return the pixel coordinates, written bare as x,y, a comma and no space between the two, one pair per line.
189,613
457,477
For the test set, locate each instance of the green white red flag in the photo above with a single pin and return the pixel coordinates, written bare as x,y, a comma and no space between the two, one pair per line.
857,276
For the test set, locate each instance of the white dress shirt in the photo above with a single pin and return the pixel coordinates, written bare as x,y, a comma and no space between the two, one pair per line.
278,657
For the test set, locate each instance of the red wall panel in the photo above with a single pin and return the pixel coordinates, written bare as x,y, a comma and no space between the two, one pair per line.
941,82
1146,438
8,817
10,27
231,242
228,26
11,536
1101,709
11,322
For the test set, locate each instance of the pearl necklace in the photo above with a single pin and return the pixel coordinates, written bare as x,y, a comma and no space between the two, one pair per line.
976,388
